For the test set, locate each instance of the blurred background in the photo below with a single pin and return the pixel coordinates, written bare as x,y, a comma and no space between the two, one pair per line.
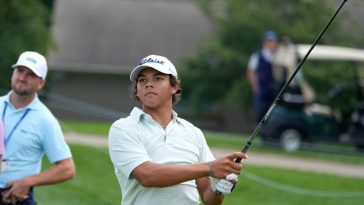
92,46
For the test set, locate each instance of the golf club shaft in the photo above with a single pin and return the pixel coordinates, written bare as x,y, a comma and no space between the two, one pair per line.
271,108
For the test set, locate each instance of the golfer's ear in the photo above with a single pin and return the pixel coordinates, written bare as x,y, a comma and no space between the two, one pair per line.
176,87
41,84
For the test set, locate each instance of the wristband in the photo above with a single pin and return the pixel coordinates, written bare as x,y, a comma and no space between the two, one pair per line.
210,173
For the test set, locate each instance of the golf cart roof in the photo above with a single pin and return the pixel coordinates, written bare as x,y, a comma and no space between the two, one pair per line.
325,52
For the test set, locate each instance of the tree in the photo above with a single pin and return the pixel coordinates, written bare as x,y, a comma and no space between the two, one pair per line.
24,26
216,75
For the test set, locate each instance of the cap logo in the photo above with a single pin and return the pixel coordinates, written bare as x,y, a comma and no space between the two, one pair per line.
150,60
31,60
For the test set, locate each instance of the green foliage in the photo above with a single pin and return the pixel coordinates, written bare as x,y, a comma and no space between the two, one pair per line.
24,26
211,76
324,76
216,75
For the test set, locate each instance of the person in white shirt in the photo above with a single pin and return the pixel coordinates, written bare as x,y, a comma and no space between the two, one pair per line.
160,158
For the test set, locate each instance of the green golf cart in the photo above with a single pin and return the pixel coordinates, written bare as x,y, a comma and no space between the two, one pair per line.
294,122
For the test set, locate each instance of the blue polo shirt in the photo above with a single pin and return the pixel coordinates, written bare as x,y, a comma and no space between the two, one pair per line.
38,133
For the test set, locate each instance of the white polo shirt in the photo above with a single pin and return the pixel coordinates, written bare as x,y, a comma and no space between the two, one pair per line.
138,138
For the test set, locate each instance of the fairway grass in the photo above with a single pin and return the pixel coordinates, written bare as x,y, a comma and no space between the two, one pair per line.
96,184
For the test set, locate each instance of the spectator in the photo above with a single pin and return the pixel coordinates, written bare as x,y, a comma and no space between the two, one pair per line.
30,131
260,75
1,142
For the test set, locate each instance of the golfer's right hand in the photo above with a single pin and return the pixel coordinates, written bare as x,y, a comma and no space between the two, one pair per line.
226,165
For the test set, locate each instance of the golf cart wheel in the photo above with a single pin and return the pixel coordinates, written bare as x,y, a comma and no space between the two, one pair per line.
290,140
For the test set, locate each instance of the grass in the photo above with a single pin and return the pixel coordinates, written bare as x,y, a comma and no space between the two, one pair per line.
95,128
254,193
236,142
95,181
96,184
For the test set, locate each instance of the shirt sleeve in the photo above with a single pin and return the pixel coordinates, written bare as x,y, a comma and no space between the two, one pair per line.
126,148
205,152
2,147
55,145
253,61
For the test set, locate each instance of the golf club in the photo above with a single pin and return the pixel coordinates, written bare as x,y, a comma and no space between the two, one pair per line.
271,108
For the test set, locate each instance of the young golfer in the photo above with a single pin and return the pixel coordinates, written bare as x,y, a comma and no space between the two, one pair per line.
160,158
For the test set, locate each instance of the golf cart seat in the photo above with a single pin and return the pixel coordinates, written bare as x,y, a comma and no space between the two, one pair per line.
320,110
293,98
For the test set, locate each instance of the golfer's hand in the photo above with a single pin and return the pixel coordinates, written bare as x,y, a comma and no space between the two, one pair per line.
224,186
226,165
17,191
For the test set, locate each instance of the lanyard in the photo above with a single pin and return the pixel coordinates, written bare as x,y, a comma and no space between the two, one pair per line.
7,138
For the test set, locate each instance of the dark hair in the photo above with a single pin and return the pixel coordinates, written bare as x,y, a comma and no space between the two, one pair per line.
172,80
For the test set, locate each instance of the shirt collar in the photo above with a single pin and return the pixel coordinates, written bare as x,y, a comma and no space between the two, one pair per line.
33,105
138,113
268,55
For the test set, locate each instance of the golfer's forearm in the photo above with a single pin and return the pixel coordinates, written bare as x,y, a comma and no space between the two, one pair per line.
156,175
210,198
60,172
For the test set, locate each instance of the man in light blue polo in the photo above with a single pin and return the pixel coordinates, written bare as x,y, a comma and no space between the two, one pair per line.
1,142
30,131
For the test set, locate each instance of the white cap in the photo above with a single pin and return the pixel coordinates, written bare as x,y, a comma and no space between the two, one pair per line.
159,63
34,61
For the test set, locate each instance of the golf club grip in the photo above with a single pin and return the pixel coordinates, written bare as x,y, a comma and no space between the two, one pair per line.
244,150
237,160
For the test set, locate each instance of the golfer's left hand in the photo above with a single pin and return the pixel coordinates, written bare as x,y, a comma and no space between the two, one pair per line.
17,191
224,186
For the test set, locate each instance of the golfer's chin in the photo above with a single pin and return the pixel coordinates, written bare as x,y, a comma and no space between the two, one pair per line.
151,103
21,92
